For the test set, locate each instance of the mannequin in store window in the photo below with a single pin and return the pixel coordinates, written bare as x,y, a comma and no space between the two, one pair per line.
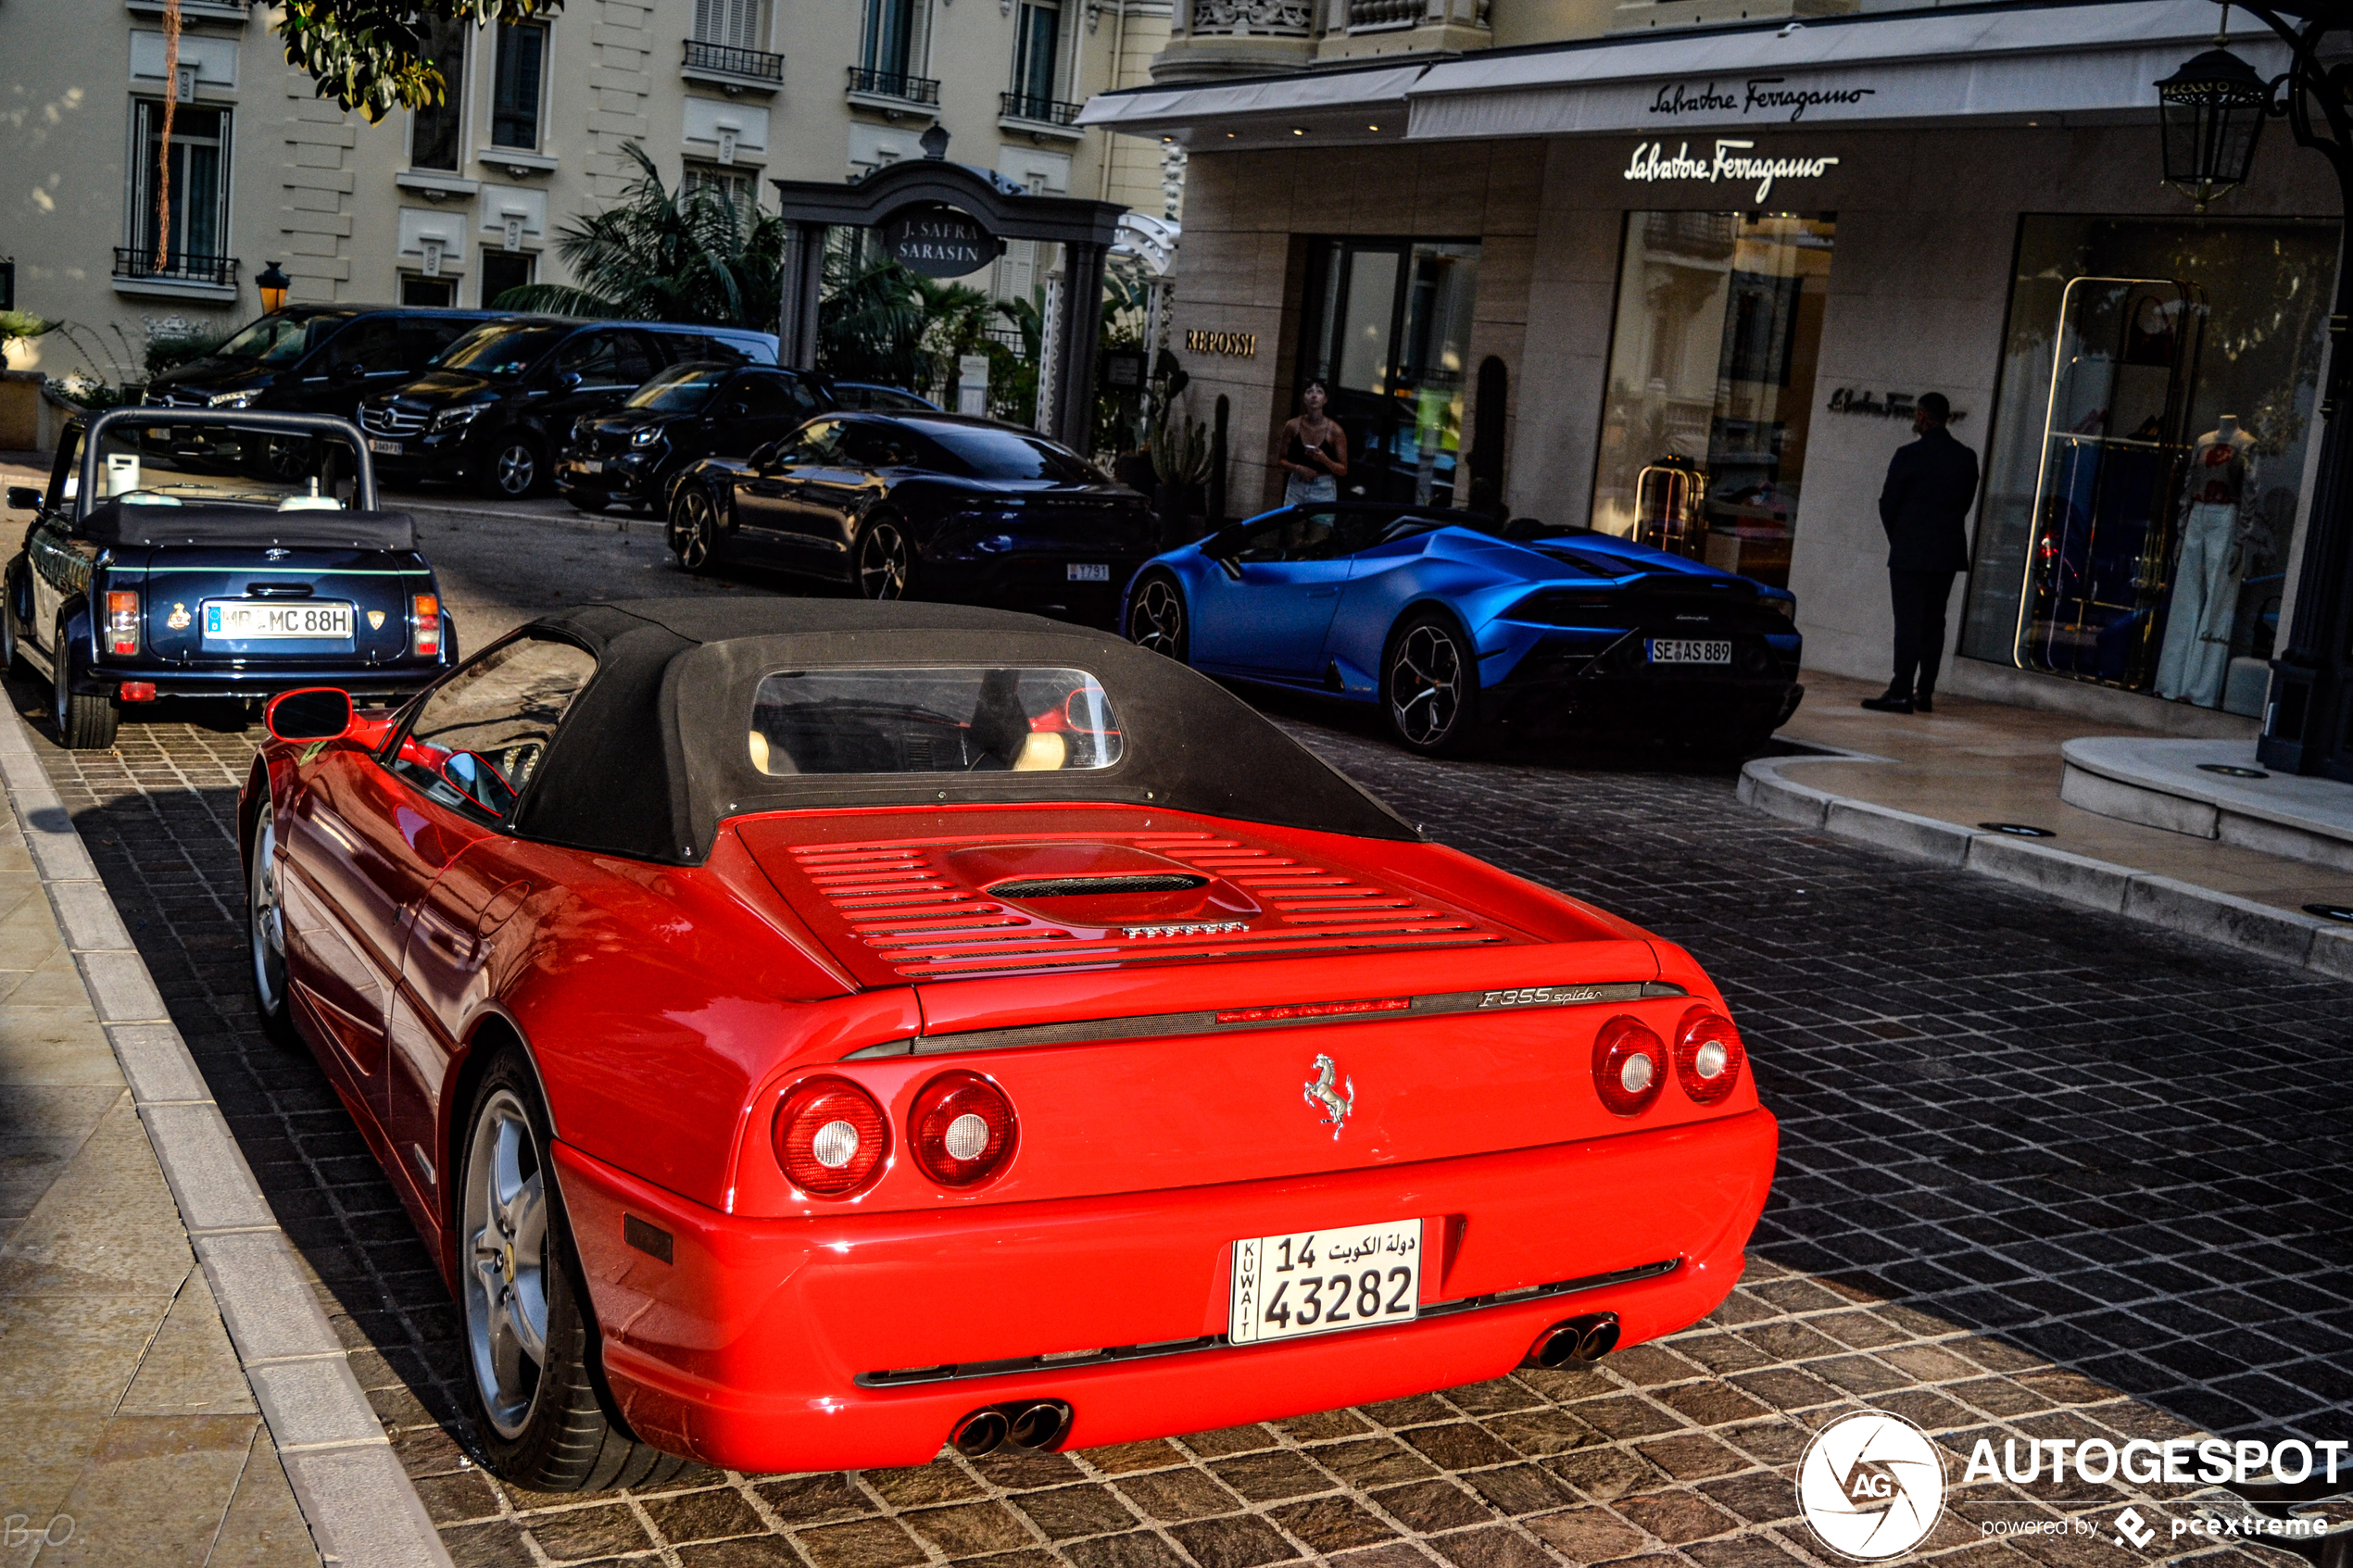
1311,450
2218,520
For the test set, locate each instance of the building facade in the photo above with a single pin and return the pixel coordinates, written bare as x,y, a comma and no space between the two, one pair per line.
454,203
1686,285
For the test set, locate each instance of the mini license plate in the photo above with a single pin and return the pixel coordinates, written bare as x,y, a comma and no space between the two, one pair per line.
244,620
1314,1282
1086,572
1686,650
389,448
592,465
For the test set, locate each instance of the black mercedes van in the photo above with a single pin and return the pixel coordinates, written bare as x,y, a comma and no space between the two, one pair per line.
496,406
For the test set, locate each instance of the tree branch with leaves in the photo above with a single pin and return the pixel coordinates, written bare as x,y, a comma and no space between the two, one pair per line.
375,55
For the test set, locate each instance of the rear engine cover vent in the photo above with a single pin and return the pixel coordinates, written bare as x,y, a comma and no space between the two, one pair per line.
937,912
1081,887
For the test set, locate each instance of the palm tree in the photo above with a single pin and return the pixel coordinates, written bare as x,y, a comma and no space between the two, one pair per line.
664,255
881,322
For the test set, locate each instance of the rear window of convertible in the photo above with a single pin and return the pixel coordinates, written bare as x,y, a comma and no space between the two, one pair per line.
932,720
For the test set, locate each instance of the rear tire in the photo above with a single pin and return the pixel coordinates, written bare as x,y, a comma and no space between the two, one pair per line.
694,529
1430,686
530,1347
12,660
84,724
1157,618
883,560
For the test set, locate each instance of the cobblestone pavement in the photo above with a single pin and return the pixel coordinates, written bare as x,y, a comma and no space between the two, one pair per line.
2047,1174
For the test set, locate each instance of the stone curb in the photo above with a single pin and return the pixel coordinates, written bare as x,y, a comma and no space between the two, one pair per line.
2287,935
360,1505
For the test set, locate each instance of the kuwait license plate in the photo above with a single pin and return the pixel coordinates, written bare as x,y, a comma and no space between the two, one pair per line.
241,620
592,465
1087,571
388,448
1313,1282
1689,650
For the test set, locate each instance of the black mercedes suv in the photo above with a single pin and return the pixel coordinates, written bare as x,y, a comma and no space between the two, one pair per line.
499,403
701,408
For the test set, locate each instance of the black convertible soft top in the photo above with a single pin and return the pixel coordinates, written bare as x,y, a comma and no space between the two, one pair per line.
652,756
132,525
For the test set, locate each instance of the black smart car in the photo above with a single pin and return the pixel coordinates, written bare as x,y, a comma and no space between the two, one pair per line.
306,360
499,402
701,408
923,507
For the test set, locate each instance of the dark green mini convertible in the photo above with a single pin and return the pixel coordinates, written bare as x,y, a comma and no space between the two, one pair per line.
215,554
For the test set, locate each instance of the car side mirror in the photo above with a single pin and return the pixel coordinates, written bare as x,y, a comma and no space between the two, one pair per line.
569,381
763,456
733,411
25,499
311,713
350,370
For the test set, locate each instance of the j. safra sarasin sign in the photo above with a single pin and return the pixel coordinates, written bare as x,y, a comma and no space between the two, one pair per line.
1733,161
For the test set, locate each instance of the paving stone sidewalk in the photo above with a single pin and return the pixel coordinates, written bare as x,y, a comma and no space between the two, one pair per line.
129,1432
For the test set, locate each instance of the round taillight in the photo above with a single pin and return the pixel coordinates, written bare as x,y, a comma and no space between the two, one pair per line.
1629,1065
831,1137
962,1129
1707,1056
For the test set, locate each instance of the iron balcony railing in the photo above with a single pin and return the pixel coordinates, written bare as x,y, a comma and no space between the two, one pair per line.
756,64
137,261
1043,111
891,84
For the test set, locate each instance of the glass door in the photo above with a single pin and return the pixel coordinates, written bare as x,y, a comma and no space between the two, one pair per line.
1390,338
2113,443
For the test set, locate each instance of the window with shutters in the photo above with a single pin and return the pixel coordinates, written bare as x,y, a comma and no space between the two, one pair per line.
1036,57
522,68
435,131
735,24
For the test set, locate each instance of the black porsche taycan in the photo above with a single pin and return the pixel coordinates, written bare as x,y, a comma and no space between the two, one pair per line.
920,506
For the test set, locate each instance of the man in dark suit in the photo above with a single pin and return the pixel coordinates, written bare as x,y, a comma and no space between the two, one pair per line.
1924,507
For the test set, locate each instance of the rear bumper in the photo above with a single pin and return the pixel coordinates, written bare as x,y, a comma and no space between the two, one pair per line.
748,1347
249,683
1560,685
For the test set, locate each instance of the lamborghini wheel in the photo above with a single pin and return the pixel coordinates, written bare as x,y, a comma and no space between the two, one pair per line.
1156,617
1430,686
529,1344
885,561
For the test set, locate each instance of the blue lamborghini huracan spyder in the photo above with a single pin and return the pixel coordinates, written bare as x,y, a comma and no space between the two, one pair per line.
1451,624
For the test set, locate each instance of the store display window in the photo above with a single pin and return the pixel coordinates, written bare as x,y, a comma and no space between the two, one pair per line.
1389,333
1711,384
2146,462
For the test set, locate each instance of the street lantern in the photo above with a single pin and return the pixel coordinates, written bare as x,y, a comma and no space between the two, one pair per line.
2212,110
273,285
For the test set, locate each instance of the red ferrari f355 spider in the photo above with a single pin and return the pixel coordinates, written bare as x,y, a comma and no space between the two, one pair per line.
808,1032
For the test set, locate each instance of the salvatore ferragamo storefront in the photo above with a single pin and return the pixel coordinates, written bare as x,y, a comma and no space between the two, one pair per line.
1687,289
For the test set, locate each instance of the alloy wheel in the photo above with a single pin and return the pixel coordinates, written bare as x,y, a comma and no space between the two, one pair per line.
691,530
269,920
518,469
882,562
505,1242
1158,621
1424,685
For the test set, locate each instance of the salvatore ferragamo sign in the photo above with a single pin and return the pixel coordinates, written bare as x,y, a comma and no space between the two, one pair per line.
1759,95
1733,161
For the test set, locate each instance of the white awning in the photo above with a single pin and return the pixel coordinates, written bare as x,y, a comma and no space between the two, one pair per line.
1147,112
1922,67
1905,66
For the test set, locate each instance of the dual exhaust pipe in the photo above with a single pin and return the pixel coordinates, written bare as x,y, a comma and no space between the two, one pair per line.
1034,1425
1027,1424
1578,1342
